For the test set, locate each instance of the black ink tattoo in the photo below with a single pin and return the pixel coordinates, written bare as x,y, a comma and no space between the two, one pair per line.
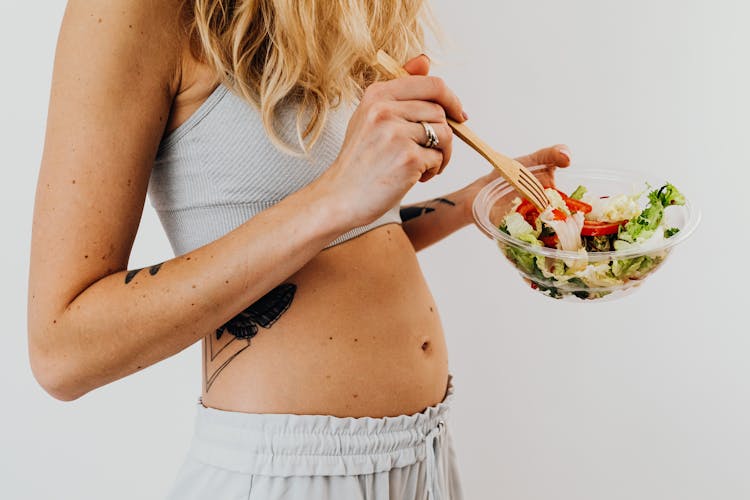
264,312
409,213
445,200
412,212
131,275
219,350
152,270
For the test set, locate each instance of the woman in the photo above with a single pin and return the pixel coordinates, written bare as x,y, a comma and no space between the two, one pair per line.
295,265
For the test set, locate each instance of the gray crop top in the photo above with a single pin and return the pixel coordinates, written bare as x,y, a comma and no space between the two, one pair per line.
218,169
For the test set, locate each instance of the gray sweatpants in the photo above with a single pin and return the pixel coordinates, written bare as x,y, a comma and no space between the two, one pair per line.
247,456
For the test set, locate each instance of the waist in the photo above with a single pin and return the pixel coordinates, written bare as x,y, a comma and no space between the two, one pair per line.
361,337
287,444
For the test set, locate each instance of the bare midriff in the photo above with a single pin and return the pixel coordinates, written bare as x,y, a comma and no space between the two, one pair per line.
362,337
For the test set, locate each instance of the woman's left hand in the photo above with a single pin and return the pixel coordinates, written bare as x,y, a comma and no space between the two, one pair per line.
551,157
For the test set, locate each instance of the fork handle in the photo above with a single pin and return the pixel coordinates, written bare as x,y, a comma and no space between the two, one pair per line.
504,164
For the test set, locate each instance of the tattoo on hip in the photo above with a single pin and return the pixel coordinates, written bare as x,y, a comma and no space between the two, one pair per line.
219,349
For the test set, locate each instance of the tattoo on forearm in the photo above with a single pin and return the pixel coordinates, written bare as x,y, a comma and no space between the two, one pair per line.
409,213
414,211
219,349
152,270
445,200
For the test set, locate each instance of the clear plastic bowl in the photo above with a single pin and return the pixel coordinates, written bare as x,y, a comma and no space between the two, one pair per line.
495,200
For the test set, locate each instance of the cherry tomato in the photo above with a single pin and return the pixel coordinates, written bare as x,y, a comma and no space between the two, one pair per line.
550,241
598,228
578,205
575,205
528,211
558,214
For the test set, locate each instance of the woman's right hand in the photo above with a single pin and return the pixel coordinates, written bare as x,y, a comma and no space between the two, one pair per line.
382,156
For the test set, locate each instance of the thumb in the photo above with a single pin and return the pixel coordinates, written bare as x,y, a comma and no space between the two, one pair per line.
555,156
419,65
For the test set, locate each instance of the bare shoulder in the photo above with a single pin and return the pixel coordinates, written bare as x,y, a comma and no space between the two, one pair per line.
140,37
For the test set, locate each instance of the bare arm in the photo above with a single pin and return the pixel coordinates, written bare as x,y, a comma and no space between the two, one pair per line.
90,321
430,221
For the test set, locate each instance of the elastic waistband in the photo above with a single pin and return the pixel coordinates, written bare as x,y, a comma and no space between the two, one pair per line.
289,445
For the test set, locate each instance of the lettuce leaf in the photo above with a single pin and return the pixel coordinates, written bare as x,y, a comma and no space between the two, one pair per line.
634,268
642,227
578,193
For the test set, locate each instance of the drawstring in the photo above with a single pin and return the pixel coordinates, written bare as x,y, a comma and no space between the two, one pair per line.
433,480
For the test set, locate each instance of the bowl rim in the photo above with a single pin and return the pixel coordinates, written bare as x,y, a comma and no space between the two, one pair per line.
502,185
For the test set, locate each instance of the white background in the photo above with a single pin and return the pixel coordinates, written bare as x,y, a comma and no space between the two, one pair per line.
646,397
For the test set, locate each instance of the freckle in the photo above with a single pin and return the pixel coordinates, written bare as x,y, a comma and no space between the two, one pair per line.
193,286
355,396
135,282
330,338
192,304
129,182
130,26
425,346
328,376
74,181
187,258
54,321
227,281
431,309
388,231
85,256
140,367
356,340
100,20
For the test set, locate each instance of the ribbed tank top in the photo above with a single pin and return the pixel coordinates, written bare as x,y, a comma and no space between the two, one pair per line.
218,169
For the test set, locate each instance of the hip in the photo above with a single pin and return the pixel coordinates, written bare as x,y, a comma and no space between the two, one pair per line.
243,455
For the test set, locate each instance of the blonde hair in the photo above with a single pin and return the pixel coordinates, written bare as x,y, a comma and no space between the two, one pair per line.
316,52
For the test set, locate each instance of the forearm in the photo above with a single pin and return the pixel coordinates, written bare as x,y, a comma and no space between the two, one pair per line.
430,221
132,319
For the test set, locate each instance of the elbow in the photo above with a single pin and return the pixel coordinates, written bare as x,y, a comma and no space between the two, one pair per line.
57,379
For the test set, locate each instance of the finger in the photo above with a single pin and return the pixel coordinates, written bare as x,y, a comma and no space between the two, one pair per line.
444,135
426,88
429,174
546,176
430,160
556,156
419,65
417,111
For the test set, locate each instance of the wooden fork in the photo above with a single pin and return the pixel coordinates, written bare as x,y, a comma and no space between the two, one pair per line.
516,174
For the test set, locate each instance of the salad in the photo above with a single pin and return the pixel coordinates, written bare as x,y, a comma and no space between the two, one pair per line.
582,225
